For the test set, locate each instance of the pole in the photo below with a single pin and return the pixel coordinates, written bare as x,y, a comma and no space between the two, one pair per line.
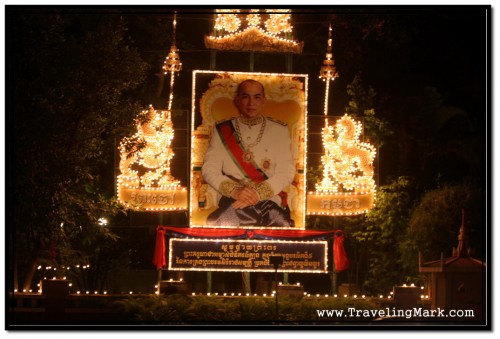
276,291
209,282
246,282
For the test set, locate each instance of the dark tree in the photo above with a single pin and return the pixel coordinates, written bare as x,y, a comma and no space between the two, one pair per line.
70,75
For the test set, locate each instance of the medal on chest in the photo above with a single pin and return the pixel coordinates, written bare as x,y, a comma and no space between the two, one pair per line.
248,156
266,164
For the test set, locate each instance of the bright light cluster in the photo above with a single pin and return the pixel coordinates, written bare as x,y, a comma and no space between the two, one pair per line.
347,187
328,71
227,20
278,22
347,162
268,31
145,182
172,62
154,158
145,177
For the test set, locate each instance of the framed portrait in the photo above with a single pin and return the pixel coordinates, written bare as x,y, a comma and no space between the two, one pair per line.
278,138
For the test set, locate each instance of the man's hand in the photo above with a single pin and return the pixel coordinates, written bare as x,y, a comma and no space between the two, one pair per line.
244,197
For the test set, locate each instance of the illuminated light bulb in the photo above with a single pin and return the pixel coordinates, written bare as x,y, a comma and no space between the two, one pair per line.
155,137
273,34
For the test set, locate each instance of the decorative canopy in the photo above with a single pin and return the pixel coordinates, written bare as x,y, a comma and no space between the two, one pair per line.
253,30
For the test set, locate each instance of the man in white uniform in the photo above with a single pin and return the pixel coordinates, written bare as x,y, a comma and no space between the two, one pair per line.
249,163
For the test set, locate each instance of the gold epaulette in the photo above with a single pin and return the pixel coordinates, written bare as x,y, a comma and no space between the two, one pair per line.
277,121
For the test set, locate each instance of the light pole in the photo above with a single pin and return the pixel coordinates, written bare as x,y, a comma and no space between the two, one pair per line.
276,260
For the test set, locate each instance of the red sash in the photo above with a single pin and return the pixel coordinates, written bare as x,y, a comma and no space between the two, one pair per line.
233,146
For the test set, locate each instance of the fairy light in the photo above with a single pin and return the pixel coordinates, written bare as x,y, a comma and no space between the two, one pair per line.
253,18
284,268
347,186
328,71
145,182
227,20
268,31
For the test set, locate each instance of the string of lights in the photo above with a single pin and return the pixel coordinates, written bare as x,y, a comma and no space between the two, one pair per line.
145,182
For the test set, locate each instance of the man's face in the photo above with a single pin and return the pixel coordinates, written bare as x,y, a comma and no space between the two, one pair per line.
250,100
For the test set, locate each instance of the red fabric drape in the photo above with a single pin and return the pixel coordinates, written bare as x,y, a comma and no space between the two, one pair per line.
159,259
340,258
339,254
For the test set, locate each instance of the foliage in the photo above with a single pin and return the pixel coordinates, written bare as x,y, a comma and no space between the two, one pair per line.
435,222
361,104
175,309
71,75
378,235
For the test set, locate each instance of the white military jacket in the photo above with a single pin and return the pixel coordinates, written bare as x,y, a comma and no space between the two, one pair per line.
272,154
